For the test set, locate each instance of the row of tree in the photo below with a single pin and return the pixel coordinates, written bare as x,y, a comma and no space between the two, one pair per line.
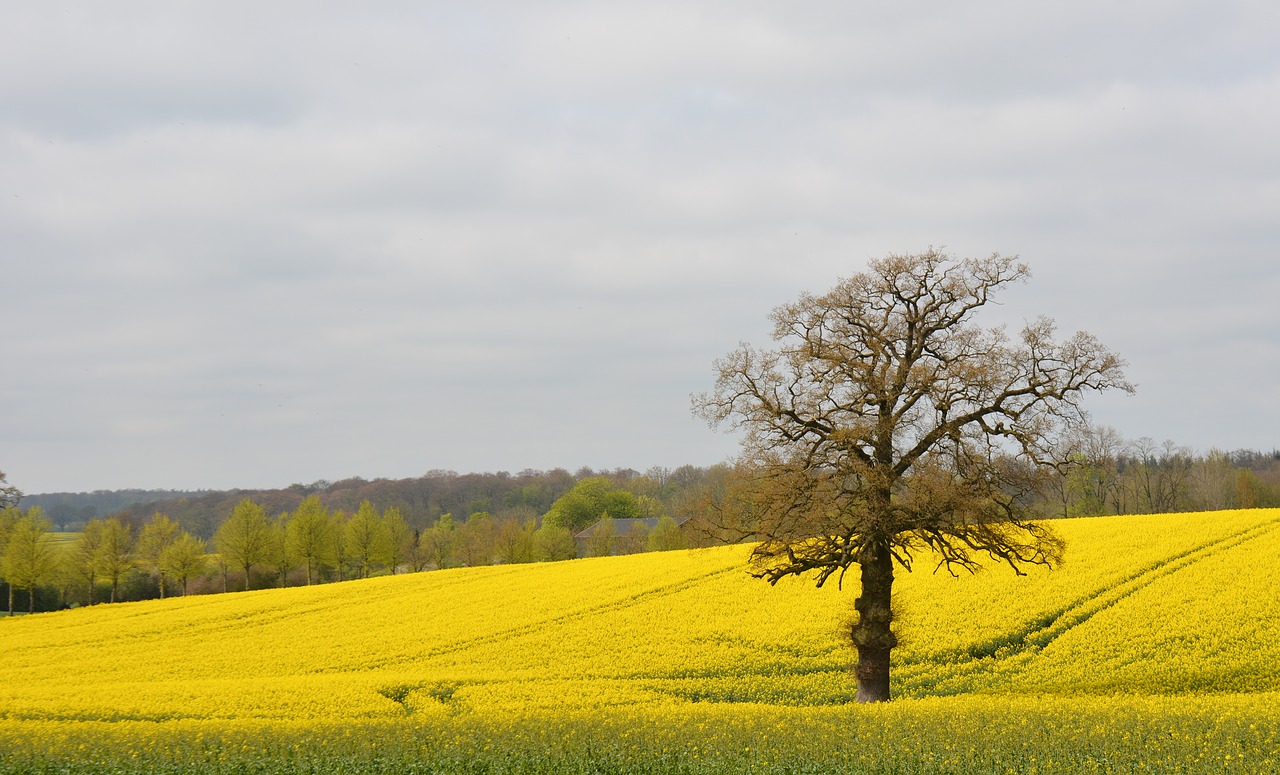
1109,474
110,560
420,500
130,556
102,558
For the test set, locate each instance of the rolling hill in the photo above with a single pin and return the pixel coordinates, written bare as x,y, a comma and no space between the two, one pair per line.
1149,616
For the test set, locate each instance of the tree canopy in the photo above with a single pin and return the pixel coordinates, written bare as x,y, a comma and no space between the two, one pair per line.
243,540
887,423
588,501
29,558
9,495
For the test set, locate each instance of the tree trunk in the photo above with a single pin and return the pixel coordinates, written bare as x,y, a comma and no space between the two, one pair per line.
31,599
10,599
872,635
246,578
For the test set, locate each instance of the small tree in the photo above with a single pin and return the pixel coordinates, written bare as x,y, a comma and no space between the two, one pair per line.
440,541
338,551
887,424
85,555
554,543
115,557
516,542
365,538
603,537
156,536
243,539
416,552
184,559
9,516
66,574
666,536
310,535
29,557
475,540
9,495
280,554
634,540
397,535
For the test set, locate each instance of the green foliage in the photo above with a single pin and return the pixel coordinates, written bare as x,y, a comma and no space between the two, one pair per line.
398,536
588,501
280,555
84,557
244,539
184,559
29,559
156,536
475,540
603,537
666,535
338,549
439,542
9,495
366,538
115,556
415,551
9,516
516,542
555,542
309,535
633,540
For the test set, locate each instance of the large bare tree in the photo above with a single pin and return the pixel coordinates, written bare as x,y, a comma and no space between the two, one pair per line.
887,424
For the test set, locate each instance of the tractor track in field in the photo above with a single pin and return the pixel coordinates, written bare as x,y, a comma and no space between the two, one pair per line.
1052,625
568,616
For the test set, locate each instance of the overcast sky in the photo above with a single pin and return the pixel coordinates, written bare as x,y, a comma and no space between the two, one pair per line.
250,244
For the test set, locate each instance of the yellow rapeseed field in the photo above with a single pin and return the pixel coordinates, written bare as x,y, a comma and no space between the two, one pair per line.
1153,648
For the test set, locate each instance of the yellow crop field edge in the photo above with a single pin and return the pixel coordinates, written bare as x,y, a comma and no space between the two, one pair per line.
1213,734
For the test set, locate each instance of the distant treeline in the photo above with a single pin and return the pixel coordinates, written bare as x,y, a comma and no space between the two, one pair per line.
421,501
258,542
68,510
357,527
1113,475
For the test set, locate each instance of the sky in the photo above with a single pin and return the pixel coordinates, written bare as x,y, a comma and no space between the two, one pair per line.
252,244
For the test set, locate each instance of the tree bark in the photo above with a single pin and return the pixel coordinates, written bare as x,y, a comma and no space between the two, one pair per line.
872,634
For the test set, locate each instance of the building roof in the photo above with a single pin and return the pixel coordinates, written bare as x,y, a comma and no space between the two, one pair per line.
622,526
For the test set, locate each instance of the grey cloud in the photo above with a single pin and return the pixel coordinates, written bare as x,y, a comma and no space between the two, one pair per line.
249,244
